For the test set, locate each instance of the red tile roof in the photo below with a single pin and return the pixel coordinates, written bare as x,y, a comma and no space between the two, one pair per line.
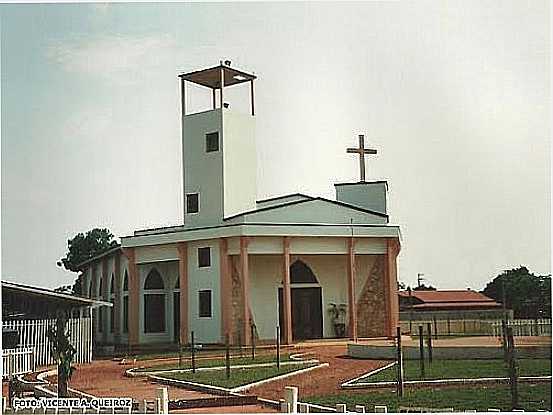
440,296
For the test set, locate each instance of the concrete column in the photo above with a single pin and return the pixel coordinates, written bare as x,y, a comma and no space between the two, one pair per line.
182,249
226,289
104,296
286,293
245,274
117,300
352,305
390,286
134,297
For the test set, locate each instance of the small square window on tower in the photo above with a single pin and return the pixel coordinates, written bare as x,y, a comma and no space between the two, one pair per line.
212,142
204,257
192,203
204,303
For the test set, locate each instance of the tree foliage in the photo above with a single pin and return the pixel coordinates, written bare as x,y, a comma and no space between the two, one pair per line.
528,295
86,246
423,287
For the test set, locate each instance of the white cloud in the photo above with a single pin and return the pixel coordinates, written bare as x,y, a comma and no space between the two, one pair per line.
113,57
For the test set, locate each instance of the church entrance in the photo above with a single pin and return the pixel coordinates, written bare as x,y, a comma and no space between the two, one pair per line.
307,315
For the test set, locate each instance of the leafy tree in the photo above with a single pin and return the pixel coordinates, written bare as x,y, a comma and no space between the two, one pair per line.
423,287
64,353
528,295
85,246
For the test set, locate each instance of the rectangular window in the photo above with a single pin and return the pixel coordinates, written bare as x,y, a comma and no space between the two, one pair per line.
192,203
212,142
204,257
205,303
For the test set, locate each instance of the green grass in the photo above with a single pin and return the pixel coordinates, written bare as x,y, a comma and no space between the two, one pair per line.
235,360
238,377
449,369
531,398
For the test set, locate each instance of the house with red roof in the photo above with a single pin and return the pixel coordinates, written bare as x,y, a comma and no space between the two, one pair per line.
449,305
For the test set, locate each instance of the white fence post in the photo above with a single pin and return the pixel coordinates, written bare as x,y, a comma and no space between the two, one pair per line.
163,397
284,407
303,408
380,409
360,409
291,398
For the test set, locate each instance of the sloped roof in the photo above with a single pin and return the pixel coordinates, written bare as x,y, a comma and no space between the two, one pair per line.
448,296
311,210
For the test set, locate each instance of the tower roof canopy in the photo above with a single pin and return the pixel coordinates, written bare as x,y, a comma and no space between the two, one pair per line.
211,77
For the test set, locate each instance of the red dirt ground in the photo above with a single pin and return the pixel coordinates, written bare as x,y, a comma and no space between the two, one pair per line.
321,381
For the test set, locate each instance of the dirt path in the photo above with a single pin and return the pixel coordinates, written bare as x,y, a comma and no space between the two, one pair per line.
321,381
105,378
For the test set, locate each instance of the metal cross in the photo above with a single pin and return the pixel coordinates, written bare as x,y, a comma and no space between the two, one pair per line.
361,151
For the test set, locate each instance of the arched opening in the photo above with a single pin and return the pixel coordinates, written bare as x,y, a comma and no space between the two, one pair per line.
154,303
307,305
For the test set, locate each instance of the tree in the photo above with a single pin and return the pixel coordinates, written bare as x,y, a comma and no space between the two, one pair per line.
85,246
528,295
64,353
423,287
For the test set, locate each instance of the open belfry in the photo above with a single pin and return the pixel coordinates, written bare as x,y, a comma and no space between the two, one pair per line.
239,266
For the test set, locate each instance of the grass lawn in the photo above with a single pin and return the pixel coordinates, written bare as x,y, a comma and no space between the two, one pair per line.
238,377
212,362
449,369
531,398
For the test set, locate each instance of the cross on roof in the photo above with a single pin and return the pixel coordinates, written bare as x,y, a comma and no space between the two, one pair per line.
361,151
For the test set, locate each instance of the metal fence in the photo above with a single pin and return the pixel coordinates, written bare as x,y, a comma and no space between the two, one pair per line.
33,334
538,327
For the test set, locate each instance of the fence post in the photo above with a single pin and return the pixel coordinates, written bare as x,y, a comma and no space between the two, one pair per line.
341,407
193,351
278,347
448,327
429,340
512,368
291,398
227,356
163,399
504,339
252,337
180,354
421,348
435,328
303,408
284,407
380,409
399,364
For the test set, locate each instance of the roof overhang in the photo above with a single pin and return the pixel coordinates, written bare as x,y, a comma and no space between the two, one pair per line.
44,293
161,237
211,77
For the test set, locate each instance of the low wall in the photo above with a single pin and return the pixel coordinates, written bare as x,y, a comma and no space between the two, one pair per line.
383,352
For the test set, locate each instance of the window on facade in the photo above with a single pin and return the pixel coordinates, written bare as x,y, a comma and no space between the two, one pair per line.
154,303
212,142
126,282
204,303
204,257
192,203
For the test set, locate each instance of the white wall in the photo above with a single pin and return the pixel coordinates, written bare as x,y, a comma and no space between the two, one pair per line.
206,330
239,163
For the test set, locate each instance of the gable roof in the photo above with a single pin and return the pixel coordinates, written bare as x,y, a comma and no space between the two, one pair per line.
310,210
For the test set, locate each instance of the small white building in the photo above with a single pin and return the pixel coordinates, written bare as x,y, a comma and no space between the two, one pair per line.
237,261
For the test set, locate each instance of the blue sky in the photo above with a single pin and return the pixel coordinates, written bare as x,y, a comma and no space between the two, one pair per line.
453,95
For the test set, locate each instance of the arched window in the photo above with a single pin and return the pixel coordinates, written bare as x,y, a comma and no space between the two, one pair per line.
300,273
125,302
154,303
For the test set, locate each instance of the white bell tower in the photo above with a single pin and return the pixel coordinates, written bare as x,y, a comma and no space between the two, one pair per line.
219,155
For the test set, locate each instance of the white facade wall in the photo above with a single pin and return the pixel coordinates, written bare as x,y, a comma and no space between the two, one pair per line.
239,163
206,329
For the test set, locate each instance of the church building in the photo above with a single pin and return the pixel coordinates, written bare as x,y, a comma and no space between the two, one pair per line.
314,267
